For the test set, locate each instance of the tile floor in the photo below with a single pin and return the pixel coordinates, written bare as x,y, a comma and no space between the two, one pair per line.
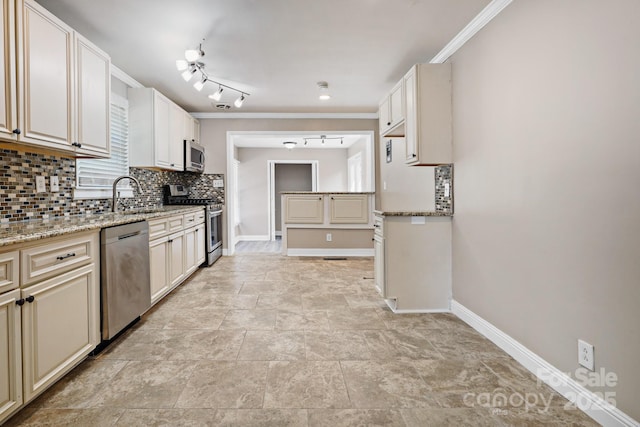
266,340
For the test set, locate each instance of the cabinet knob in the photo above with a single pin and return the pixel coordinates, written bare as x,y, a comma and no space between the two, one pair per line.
388,123
30,298
173,164
17,131
20,302
319,198
170,241
414,155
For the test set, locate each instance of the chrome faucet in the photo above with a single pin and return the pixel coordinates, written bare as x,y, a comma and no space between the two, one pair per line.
114,198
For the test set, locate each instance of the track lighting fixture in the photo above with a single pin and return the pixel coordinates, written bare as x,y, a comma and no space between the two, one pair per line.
217,94
324,138
192,64
324,91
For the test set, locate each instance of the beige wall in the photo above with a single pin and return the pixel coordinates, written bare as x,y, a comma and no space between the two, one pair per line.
546,235
316,238
253,183
290,177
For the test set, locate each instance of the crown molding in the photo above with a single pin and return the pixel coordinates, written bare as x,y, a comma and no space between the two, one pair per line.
249,115
124,77
476,24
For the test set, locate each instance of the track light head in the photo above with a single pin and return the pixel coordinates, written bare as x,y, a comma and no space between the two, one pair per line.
200,83
192,55
217,95
238,102
324,91
182,64
187,74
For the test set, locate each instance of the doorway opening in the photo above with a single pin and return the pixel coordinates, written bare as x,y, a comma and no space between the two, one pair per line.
288,175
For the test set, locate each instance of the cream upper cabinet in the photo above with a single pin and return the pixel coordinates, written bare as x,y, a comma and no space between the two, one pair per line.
196,130
428,126
391,113
349,209
11,354
93,73
8,113
47,80
156,127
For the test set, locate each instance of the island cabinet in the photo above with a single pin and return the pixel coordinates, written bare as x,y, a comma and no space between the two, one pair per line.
428,125
304,209
48,64
349,209
412,266
49,313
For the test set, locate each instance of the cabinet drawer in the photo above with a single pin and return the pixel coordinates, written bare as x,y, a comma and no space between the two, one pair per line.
9,273
176,223
158,227
189,220
44,261
200,217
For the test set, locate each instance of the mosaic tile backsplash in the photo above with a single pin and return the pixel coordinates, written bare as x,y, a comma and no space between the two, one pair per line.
19,200
444,174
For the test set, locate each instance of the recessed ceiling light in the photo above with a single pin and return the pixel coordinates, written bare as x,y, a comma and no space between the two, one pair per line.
324,91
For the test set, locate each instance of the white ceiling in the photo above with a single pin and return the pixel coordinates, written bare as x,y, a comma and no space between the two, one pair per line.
276,50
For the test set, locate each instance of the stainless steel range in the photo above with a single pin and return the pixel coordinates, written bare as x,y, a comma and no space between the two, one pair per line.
179,195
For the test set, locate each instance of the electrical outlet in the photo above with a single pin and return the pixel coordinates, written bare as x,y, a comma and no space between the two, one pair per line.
218,183
585,355
329,237
54,183
447,189
41,185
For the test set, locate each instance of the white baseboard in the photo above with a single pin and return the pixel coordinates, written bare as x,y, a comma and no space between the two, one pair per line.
255,237
329,252
587,401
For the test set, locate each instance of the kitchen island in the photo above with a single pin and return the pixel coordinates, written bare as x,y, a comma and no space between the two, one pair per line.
327,223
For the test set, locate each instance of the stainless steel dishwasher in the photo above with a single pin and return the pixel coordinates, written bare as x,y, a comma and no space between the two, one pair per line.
125,287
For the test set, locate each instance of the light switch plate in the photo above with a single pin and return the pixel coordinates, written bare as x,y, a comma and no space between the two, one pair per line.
218,183
447,189
41,185
418,220
54,183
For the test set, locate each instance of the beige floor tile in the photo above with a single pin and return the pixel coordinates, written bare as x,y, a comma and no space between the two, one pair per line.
324,302
458,376
249,320
394,344
225,384
336,345
273,345
272,417
288,302
355,417
358,318
178,418
197,318
459,417
95,417
305,385
268,287
385,384
307,320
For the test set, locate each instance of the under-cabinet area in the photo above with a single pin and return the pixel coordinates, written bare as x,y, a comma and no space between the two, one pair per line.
333,223
412,265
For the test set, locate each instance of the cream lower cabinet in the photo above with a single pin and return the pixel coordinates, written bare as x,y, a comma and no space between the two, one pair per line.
378,264
304,208
159,268
349,209
176,258
201,250
59,321
11,354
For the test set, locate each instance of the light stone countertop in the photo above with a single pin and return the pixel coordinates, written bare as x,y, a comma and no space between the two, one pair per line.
327,192
26,231
409,213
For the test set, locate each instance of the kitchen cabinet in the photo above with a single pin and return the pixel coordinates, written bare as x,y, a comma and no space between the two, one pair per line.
349,209
201,250
11,355
159,268
49,313
60,321
158,129
8,95
191,128
176,259
427,125
304,208
412,263
391,112
57,67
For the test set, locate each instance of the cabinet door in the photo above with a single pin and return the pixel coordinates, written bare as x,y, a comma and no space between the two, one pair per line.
190,250
176,137
176,259
159,268
304,209
47,93
188,127
9,271
201,250
384,116
11,355
196,130
410,124
379,264
396,104
8,116
349,209
161,114
93,73
60,321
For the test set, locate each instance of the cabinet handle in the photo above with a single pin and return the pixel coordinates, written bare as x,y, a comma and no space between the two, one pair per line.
20,302
414,155
376,225
17,131
60,258
170,241
30,299
173,164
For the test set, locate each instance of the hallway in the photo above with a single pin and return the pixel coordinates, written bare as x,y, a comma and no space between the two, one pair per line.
266,340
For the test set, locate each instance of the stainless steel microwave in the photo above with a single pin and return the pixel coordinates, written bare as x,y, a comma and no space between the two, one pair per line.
193,157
